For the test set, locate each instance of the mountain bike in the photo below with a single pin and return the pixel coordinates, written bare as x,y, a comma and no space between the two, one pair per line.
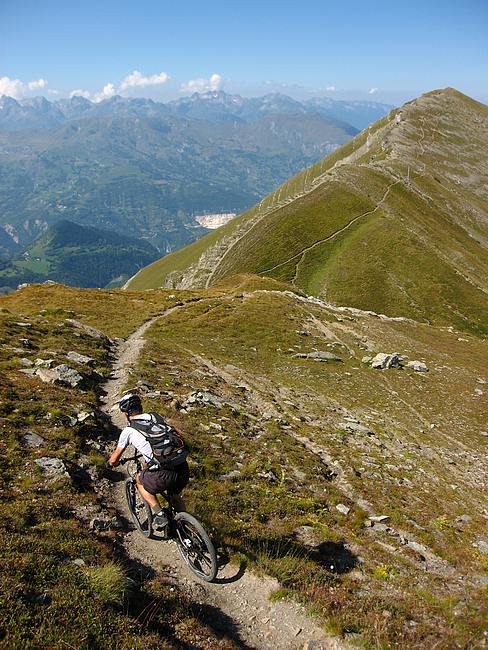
193,543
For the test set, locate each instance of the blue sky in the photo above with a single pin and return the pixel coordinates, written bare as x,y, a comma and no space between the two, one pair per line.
386,51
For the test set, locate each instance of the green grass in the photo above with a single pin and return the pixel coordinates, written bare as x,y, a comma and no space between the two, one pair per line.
154,275
257,513
281,487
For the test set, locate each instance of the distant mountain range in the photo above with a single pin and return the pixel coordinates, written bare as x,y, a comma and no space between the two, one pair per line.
145,169
396,221
214,106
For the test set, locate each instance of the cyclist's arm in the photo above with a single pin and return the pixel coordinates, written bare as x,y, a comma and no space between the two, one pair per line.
114,459
122,443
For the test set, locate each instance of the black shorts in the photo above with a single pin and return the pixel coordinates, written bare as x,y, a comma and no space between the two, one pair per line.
171,480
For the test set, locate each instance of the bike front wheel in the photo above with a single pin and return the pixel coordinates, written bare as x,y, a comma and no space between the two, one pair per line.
195,546
140,511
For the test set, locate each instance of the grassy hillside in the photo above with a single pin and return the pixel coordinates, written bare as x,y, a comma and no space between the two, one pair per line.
63,584
286,472
394,221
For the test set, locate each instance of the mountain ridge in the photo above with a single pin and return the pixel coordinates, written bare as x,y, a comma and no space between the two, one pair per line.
393,185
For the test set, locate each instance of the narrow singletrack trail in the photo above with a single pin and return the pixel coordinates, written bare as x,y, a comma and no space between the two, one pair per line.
238,602
302,253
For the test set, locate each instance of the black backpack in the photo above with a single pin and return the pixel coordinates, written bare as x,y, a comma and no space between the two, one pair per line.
167,446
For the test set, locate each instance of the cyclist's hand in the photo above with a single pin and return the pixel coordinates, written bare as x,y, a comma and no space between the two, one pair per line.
109,465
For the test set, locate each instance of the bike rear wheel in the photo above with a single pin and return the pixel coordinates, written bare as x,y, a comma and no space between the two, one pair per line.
140,511
195,546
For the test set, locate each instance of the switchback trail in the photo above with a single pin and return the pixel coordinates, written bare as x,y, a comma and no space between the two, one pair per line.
238,602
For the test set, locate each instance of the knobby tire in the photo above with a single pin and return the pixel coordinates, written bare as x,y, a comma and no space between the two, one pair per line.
140,511
195,546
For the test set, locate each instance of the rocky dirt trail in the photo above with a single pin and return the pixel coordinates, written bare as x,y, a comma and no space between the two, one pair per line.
237,603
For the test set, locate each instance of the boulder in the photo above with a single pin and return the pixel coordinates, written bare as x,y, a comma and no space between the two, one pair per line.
482,546
61,374
52,466
204,397
27,363
463,519
91,331
143,385
317,356
28,371
383,360
418,366
342,508
355,427
44,363
104,524
80,358
33,440
84,415
45,375
366,359
152,394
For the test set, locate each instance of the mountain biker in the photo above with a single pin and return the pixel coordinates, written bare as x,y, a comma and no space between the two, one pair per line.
156,477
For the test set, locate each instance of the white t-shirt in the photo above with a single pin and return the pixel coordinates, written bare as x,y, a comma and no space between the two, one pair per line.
130,436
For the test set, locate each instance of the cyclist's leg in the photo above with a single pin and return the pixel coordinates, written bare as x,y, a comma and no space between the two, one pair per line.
147,496
178,502
180,481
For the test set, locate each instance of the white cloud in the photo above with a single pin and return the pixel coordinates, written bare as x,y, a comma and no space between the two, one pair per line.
202,85
80,93
17,89
331,88
138,79
133,80
373,91
107,91
36,85
10,87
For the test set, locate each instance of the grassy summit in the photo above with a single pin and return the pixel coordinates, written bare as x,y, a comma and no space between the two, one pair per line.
394,221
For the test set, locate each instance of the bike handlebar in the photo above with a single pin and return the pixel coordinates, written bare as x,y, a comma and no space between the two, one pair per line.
135,457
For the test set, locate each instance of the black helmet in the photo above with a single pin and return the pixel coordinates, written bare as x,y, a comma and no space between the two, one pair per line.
130,403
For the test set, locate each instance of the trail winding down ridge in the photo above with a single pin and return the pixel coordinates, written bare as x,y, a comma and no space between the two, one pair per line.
238,601
303,252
